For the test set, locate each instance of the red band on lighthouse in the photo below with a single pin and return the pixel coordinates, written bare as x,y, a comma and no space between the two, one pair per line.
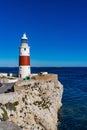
24,60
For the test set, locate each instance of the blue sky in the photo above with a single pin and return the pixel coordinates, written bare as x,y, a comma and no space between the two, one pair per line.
57,31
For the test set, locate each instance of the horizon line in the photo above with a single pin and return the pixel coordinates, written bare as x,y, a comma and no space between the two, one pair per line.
44,66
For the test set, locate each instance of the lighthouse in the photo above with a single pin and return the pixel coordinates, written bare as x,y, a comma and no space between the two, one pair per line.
24,58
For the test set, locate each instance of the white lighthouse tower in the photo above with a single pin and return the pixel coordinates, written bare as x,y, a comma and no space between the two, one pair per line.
24,58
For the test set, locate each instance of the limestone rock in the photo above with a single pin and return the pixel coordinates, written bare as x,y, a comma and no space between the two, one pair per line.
34,104
8,126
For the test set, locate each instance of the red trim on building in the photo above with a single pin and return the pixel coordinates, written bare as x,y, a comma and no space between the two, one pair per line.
24,60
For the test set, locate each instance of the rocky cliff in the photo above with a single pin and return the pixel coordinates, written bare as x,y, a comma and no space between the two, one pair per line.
34,103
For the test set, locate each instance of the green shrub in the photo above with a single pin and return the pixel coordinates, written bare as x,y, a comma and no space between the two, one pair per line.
23,99
16,103
26,96
4,114
42,104
11,106
0,104
26,103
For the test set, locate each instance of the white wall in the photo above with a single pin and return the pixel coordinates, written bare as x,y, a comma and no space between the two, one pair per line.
24,71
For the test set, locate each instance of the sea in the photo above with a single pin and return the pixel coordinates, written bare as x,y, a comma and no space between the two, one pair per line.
73,113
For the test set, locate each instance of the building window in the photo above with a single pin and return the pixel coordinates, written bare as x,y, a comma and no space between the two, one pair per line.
24,49
24,41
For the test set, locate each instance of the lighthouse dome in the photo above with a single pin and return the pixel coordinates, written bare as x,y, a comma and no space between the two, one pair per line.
24,36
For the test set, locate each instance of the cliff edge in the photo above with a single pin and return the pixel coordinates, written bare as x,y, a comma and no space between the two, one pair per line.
34,104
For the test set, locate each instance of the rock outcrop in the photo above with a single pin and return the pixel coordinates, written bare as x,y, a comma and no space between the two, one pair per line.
34,103
8,126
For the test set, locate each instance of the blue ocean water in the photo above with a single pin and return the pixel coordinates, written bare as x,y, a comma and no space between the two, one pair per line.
73,113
